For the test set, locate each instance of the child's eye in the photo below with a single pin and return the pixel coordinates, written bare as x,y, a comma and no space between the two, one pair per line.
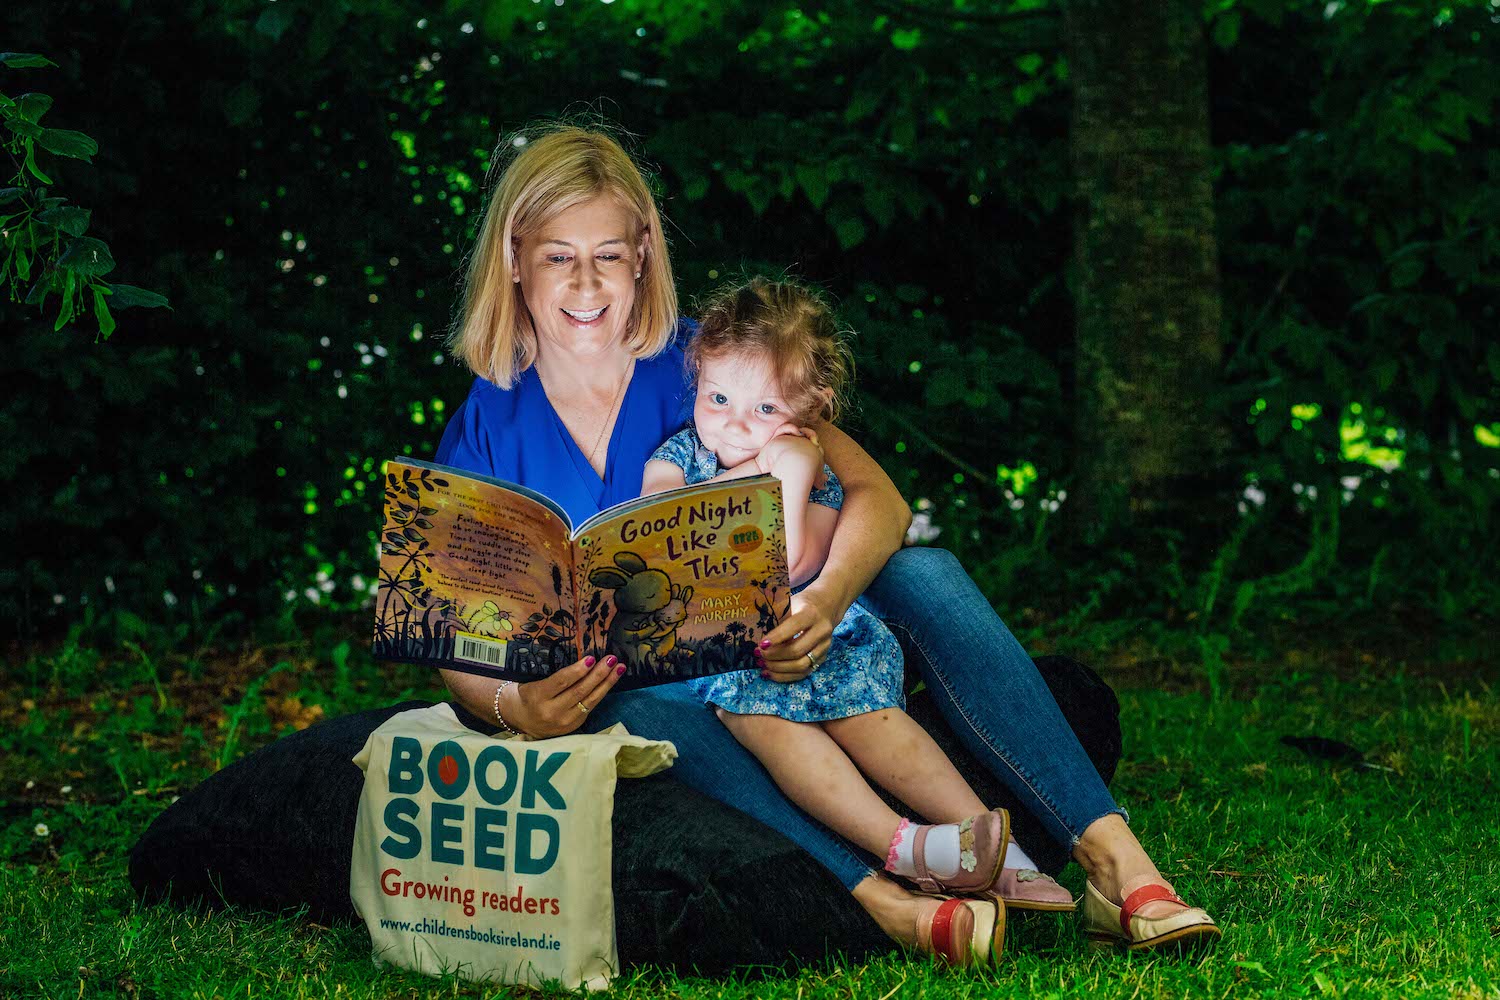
767,408
718,398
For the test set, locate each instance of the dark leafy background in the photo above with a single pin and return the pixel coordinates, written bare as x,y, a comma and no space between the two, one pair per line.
301,178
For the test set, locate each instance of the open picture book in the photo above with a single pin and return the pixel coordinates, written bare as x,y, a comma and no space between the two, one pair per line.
488,577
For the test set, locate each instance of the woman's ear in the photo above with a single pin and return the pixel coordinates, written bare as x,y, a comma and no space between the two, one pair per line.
640,251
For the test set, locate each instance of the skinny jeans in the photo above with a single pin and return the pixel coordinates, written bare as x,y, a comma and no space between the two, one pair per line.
984,684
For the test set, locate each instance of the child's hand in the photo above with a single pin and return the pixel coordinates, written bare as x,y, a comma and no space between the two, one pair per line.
786,455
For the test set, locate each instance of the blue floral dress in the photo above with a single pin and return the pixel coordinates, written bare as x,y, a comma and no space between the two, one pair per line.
863,670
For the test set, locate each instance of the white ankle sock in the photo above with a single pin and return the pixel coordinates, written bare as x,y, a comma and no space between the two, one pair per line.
940,850
1016,858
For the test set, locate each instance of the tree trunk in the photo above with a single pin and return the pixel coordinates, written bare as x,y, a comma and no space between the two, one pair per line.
1147,292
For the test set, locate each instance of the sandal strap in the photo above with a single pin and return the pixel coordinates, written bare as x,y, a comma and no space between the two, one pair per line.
924,878
1145,894
942,931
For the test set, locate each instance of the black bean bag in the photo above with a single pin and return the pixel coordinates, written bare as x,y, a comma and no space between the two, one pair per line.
696,884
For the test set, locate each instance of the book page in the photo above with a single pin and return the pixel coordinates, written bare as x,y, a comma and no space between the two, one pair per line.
472,574
685,585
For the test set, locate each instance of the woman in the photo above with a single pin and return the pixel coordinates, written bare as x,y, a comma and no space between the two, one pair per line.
569,322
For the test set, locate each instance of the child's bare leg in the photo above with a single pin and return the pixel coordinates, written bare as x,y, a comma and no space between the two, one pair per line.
898,755
814,773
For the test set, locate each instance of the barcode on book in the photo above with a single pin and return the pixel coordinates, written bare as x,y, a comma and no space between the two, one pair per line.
477,649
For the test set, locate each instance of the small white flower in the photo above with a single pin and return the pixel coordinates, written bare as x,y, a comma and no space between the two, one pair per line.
357,582
66,789
922,529
41,830
322,575
30,785
1351,482
290,596
326,586
1255,495
169,599
924,504
58,598
197,574
311,593
109,584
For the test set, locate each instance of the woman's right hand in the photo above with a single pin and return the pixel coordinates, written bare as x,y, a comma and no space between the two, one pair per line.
558,704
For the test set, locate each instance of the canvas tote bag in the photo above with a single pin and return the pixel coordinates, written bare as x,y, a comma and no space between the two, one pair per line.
487,857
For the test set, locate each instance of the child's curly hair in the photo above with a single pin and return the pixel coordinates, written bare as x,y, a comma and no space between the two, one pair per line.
791,324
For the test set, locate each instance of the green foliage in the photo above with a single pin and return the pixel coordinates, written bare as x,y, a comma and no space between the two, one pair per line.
309,226
43,238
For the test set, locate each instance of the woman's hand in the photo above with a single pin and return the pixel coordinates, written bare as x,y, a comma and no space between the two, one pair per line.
806,629
558,704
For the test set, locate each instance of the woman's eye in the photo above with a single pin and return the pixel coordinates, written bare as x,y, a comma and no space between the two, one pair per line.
609,257
557,258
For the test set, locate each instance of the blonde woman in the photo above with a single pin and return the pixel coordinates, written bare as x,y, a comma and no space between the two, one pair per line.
569,322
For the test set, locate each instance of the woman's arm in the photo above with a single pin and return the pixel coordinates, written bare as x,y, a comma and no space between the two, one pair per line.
870,529
871,526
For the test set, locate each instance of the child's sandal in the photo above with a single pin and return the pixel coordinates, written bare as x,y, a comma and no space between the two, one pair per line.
981,844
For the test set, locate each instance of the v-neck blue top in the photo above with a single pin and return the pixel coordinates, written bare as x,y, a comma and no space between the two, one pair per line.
514,434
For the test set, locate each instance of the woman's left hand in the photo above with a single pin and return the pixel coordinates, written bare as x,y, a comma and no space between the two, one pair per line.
808,628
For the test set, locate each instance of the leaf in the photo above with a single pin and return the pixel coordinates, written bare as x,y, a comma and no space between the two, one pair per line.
8,195
850,231
1227,30
102,314
36,171
242,103
87,256
24,60
906,39
69,218
813,179
66,142
22,127
131,297
31,107
274,21
1408,271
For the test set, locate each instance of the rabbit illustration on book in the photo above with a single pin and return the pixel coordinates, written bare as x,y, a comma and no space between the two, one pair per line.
649,607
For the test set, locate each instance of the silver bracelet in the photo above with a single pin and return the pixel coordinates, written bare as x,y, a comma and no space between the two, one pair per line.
500,718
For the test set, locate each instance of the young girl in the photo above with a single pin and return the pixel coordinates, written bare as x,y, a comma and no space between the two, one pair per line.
767,362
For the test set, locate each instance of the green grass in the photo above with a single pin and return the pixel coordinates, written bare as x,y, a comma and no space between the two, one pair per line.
1328,880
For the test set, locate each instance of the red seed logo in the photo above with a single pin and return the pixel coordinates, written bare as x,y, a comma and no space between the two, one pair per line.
448,770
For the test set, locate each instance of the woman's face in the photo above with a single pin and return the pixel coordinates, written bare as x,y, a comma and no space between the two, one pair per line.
738,407
578,277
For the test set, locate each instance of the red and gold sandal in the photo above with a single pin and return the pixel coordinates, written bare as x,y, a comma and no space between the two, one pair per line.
961,932
1121,926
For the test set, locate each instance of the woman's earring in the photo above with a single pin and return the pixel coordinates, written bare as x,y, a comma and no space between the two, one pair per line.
637,274
517,279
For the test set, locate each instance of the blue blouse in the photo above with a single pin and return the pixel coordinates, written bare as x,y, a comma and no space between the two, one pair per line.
514,434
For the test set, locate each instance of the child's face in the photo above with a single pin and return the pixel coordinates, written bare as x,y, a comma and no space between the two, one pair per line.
739,406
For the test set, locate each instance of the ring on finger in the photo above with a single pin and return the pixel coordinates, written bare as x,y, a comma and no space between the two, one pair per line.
583,708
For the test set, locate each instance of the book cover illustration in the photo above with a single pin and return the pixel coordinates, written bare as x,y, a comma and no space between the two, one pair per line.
486,577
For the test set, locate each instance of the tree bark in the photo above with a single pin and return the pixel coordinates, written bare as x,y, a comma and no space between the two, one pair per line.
1147,283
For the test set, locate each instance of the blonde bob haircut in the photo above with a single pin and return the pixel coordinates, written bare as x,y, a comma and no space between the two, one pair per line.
549,170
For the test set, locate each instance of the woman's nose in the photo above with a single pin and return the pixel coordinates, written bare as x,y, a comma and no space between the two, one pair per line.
587,275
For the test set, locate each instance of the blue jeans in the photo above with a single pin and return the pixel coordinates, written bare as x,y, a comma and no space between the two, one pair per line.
985,685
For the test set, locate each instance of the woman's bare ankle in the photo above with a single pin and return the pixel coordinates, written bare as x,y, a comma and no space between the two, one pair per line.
892,908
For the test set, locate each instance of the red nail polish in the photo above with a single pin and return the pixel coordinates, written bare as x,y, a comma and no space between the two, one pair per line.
609,661
620,670
588,661
765,675
765,644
